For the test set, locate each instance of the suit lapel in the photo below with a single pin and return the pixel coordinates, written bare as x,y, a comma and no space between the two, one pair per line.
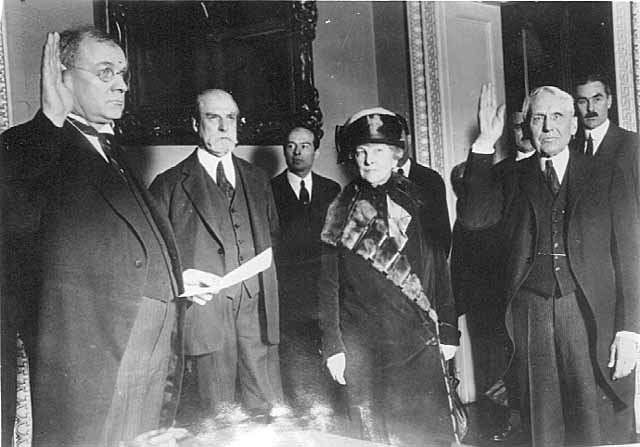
316,191
107,180
195,188
609,143
252,194
529,179
287,190
578,173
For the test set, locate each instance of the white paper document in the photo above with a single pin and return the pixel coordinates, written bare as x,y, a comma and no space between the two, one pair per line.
250,268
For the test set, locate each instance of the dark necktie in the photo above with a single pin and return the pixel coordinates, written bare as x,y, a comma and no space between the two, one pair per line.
589,149
304,193
106,141
223,183
401,171
552,177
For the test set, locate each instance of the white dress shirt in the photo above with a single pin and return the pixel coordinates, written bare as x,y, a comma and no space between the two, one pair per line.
597,135
560,162
405,168
294,181
210,164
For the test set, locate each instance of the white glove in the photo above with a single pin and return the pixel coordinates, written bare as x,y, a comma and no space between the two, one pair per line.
336,364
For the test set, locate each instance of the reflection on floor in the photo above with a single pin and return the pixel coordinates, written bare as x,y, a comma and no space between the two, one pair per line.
317,428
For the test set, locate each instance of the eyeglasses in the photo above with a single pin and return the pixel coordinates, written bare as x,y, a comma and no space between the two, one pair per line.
107,74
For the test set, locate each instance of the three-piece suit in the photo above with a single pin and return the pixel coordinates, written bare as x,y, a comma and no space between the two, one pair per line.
571,284
236,334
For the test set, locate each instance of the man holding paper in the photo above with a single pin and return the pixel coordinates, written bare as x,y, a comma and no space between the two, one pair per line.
223,214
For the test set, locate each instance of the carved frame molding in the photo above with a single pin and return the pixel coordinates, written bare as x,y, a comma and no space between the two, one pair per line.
160,127
5,119
626,39
425,84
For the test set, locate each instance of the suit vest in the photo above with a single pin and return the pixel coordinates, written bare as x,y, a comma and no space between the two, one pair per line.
550,274
236,234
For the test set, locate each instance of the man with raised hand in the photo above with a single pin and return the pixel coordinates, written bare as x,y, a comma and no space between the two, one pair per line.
89,263
572,249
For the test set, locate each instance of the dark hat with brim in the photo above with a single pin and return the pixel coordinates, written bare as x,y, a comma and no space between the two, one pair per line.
375,125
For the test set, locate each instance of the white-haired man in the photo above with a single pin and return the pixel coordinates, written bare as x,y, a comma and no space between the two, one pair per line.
571,231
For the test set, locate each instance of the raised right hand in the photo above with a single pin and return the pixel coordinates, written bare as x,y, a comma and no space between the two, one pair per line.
490,117
56,98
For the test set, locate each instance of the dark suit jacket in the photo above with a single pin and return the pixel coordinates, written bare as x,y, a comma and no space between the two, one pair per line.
298,255
435,220
602,237
300,228
182,193
616,142
76,271
619,146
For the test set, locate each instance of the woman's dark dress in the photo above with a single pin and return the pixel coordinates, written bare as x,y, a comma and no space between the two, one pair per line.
395,385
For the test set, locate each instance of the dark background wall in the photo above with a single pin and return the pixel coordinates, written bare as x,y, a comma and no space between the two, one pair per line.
564,40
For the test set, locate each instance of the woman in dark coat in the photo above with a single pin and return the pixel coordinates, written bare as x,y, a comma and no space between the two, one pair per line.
386,309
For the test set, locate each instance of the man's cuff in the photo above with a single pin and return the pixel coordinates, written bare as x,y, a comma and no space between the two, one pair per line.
628,335
479,147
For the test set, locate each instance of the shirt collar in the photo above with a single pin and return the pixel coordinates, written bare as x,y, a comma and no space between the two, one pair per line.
560,162
210,164
524,155
95,142
405,168
597,134
294,181
104,128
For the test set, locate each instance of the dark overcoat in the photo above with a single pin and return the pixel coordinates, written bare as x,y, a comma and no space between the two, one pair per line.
182,193
393,360
80,274
602,242
435,218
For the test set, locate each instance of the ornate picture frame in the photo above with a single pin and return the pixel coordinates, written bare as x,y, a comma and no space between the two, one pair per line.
261,52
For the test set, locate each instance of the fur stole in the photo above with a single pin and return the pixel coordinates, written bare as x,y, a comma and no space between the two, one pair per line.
378,235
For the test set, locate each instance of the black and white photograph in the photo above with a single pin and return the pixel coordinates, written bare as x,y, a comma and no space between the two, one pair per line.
323,223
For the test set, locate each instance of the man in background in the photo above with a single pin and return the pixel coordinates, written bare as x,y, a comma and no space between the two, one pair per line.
223,215
436,215
598,137
302,198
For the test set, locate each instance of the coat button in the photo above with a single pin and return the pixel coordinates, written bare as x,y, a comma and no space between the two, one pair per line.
139,263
